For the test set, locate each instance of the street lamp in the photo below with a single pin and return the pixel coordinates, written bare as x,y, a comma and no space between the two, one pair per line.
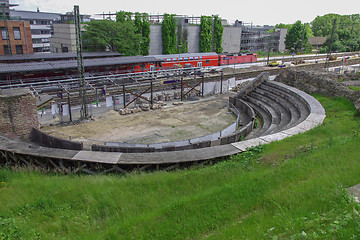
139,47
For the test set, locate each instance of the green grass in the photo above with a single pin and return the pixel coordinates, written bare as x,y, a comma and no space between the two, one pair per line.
293,189
354,88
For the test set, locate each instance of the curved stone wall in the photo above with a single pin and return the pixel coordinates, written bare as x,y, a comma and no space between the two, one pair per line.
307,112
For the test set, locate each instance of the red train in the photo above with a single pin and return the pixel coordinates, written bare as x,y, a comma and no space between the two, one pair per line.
25,71
203,59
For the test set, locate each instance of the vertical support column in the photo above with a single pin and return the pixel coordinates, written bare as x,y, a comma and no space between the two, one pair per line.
327,63
124,96
182,88
96,96
82,85
221,82
151,92
69,107
202,86
6,28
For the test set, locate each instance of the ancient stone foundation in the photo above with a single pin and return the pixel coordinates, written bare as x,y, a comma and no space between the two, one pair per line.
320,82
18,113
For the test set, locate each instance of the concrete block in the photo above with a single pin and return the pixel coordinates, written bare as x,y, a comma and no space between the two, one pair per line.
248,144
317,118
293,131
307,125
274,137
102,157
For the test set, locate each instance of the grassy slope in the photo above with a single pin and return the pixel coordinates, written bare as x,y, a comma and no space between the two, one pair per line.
288,189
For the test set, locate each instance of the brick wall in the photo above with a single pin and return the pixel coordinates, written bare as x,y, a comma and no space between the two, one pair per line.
18,113
25,37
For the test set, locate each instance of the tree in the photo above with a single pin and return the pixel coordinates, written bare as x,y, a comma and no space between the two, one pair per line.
218,33
142,25
296,39
123,16
205,34
169,36
115,36
347,31
322,25
182,38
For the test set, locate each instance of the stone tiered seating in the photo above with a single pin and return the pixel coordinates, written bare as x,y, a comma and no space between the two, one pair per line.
277,107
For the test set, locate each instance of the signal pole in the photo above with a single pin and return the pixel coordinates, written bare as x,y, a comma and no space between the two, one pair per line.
3,6
80,63
327,63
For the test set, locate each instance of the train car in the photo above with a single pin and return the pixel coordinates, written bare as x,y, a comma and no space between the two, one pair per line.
188,60
30,69
39,71
236,59
44,57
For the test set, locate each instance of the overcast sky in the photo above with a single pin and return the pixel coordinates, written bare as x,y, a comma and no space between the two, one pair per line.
258,12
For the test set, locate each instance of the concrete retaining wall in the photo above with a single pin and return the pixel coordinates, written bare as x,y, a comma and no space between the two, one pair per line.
47,140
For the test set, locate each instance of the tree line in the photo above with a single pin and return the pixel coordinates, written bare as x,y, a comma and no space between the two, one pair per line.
346,35
127,35
130,34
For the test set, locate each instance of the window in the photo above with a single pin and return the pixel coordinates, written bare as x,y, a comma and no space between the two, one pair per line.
19,49
6,49
64,49
17,35
3,34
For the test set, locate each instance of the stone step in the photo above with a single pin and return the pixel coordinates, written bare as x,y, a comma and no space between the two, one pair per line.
299,103
289,107
285,115
265,118
273,113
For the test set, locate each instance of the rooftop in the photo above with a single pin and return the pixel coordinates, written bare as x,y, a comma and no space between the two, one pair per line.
35,15
71,64
317,40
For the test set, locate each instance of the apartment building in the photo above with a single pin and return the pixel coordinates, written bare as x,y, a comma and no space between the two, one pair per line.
41,24
15,38
263,38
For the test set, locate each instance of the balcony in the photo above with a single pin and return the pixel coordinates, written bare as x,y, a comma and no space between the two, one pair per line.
40,27
40,45
40,36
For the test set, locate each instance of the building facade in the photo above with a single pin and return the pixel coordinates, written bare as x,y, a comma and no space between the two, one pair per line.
41,27
255,39
236,37
64,38
15,38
